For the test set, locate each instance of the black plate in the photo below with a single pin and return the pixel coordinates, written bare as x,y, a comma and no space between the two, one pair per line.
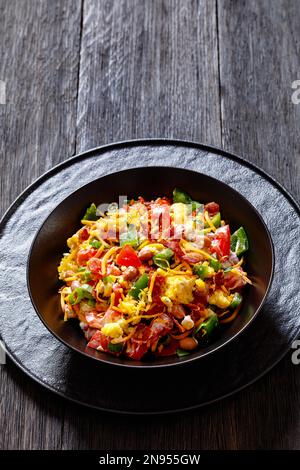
92,383
149,182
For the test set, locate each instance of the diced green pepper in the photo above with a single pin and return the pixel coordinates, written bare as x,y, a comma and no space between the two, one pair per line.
197,206
130,237
162,258
203,270
162,263
181,196
91,213
182,352
236,301
216,220
138,286
107,279
83,292
207,330
115,348
95,243
86,275
239,242
215,264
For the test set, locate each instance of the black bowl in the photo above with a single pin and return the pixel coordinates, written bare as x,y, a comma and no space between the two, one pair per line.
150,182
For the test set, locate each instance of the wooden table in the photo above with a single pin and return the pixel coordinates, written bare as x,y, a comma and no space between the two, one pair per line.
81,73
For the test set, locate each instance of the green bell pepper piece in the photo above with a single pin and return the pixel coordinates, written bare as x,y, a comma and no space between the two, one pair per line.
202,270
91,213
162,258
95,243
115,348
130,237
216,220
215,264
208,328
162,263
181,196
80,293
182,352
138,286
86,275
239,242
236,301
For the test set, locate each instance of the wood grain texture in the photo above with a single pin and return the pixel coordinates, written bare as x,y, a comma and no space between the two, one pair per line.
218,72
148,69
259,46
39,52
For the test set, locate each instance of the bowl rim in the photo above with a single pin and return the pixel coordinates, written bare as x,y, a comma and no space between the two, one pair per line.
186,359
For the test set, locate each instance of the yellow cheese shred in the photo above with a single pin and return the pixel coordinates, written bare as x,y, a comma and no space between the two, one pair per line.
106,257
209,221
151,286
112,300
189,247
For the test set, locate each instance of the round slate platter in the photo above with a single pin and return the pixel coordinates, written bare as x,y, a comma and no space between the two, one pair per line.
46,360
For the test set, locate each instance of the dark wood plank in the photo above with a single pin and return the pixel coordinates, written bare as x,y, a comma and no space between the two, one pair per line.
39,52
259,60
148,69
262,416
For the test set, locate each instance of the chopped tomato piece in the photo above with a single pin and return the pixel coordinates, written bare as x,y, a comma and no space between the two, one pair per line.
128,257
221,243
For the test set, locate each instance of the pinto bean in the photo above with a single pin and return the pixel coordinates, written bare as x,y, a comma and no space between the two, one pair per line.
146,254
193,258
113,270
130,273
188,344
